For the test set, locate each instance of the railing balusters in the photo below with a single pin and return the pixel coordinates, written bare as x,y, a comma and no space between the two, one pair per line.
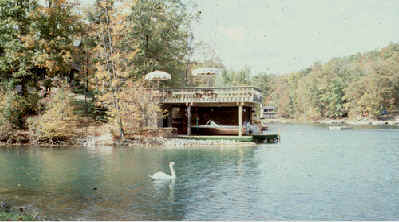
234,94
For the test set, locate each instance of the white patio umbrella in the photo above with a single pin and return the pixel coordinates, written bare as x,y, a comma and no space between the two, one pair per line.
207,74
157,75
205,71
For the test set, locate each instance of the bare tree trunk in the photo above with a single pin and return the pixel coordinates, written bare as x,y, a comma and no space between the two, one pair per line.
113,76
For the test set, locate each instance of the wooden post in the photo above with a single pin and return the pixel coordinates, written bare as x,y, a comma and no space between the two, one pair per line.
240,120
189,120
169,117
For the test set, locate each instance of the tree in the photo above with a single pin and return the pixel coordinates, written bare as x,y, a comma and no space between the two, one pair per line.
361,85
131,106
54,30
35,45
15,21
139,108
36,42
112,56
163,34
262,81
241,77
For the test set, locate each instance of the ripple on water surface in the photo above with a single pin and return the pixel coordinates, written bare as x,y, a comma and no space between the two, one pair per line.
314,174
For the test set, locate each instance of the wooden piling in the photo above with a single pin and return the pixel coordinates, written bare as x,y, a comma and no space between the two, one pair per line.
240,120
189,120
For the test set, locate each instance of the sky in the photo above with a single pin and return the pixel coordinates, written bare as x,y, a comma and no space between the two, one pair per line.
280,36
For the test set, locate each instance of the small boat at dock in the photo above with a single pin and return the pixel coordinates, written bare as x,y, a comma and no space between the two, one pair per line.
211,128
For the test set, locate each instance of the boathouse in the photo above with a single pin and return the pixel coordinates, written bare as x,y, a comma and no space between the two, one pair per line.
268,112
210,110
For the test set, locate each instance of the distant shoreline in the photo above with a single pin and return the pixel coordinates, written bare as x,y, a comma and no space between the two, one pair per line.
363,122
146,142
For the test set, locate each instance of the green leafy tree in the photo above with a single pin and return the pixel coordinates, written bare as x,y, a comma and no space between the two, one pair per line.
15,22
163,34
229,78
51,41
35,46
262,81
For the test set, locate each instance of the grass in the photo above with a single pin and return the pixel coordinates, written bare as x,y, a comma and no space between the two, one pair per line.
11,216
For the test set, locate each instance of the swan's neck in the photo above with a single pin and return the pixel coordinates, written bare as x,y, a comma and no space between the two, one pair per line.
172,171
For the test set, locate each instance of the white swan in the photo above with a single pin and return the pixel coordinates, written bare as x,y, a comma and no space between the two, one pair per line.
163,176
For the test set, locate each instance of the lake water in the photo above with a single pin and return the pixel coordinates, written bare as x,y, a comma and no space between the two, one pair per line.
313,174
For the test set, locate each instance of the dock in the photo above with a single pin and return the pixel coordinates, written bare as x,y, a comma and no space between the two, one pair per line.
263,138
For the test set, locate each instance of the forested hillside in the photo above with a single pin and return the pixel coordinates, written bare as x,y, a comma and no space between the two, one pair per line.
365,85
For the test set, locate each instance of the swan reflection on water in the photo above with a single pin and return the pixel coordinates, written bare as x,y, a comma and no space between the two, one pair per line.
165,187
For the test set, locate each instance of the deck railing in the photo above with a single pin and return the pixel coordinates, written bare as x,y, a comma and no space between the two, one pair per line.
216,95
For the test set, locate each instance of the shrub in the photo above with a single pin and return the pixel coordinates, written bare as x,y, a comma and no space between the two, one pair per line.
138,109
58,122
6,129
15,108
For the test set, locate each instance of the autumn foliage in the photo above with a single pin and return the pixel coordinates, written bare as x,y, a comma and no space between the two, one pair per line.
99,53
139,109
358,86
57,122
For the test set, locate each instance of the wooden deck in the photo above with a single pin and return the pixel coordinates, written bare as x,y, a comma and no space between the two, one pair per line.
210,95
